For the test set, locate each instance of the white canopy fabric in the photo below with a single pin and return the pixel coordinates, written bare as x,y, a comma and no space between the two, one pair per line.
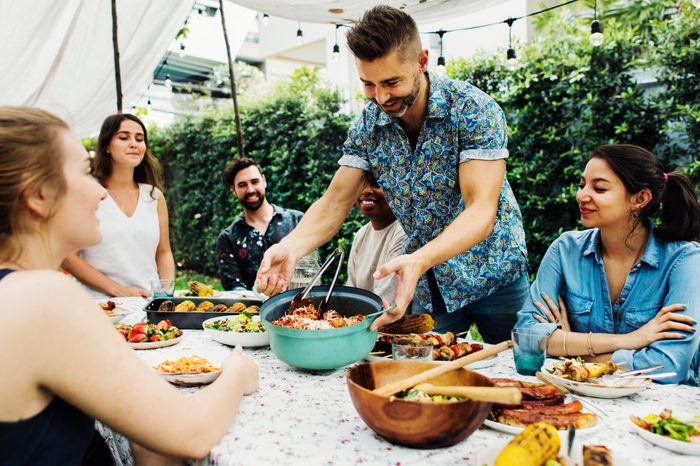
347,11
57,54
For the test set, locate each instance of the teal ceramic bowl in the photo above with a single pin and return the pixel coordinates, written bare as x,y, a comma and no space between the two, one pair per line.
323,349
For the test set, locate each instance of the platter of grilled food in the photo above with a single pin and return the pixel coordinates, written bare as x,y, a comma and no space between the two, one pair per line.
541,403
597,379
416,329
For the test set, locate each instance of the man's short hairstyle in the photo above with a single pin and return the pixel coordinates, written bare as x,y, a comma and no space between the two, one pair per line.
381,30
236,165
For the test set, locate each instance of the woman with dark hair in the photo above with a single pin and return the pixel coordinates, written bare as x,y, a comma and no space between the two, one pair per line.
135,248
68,365
626,288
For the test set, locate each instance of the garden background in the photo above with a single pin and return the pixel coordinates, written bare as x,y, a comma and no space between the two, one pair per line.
565,98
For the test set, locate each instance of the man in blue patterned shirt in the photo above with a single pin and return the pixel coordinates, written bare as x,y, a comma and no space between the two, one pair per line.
437,148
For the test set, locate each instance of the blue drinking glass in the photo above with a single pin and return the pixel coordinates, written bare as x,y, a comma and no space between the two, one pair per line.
529,349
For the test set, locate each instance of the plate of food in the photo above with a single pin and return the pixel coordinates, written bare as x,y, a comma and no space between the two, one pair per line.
113,311
243,329
541,403
669,432
446,347
188,371
599,379
541,446
144,335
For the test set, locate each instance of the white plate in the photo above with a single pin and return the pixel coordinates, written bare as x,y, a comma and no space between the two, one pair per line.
155,344
678,446
600,389
514,430
190,380
181,294
245,339
488,456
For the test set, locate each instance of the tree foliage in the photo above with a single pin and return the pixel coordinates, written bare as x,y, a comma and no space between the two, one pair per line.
568,97
295,133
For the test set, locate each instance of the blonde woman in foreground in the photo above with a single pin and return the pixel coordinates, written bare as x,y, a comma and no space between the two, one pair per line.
69,365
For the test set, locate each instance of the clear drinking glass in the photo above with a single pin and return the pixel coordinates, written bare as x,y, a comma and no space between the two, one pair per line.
417,350
529,349
162,288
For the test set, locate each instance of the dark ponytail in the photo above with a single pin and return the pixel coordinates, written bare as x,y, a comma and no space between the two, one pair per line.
673,199
679,216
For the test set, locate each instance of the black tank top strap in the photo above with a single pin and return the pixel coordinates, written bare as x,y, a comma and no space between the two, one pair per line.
4,272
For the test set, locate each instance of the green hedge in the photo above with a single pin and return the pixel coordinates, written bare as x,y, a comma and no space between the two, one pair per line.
295,134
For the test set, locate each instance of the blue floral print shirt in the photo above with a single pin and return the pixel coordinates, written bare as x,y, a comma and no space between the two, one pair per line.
462,123
666,274
240,247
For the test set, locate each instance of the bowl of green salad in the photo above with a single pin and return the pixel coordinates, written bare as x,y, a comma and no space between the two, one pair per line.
242,329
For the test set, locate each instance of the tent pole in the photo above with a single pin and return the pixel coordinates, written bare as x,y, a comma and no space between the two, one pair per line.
115,46
239,130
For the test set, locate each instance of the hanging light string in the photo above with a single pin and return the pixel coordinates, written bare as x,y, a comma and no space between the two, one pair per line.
336,47
509,21
441,58
596,28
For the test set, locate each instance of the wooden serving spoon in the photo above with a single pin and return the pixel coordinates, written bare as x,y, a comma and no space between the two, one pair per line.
502,395
404,384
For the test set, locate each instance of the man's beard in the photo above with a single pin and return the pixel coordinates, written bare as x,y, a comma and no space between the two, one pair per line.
252,205
406,101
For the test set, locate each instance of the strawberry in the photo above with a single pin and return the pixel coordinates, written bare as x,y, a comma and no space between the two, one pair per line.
163,325
135,332
154,338
137,338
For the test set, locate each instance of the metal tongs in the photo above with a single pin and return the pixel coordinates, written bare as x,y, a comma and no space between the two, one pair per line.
643,373
301,300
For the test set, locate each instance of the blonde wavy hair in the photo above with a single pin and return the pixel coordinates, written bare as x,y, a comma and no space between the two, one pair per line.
30,159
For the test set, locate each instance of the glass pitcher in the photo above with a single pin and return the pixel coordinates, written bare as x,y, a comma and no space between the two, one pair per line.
305,270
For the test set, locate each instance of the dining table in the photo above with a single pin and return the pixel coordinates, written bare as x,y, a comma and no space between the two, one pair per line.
307,417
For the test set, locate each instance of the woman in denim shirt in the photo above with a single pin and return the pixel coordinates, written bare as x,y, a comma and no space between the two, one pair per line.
628,291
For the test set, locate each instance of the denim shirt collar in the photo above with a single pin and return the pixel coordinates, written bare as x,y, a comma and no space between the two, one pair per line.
652,252
437,103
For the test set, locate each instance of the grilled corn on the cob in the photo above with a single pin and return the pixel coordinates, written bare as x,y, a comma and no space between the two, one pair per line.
204,306
185,306
534,446
200,289
236,307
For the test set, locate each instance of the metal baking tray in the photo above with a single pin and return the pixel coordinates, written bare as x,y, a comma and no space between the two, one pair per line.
192,320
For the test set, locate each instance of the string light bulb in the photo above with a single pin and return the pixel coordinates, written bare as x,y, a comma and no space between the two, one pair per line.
441,59
181,53
596,28
266,19
300,34
336,47
168,82
511,57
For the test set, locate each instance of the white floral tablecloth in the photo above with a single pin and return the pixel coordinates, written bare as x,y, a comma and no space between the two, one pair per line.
301,417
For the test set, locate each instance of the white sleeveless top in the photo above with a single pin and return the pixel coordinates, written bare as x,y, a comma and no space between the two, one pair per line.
127,253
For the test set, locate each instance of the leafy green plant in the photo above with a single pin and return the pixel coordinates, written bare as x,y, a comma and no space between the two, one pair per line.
296,135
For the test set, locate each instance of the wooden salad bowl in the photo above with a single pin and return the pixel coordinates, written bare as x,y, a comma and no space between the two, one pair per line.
410,423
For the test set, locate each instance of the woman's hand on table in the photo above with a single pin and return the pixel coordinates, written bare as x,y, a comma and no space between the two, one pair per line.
276,270
553,313
661,328
244,368
120,291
